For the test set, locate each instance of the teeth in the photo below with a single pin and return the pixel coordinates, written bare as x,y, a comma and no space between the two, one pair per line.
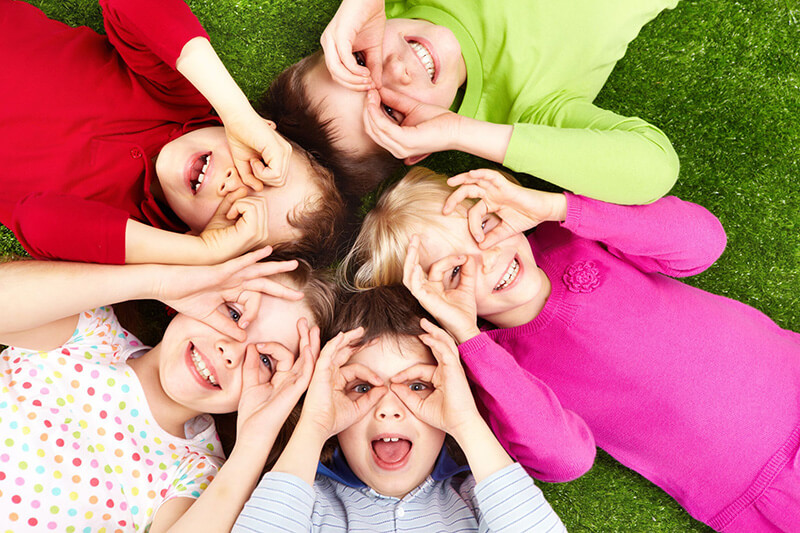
509,276
202,176
200,365
390,439
425,57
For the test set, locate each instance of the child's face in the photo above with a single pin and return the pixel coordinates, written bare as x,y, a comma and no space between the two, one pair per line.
404,70
194,199
392,468
202,369
509,282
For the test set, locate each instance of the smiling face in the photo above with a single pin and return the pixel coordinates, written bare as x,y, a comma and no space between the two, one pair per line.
390,449
196,171
420,59
201,369
510,288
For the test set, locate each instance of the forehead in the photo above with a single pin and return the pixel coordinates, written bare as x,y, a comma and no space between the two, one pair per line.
277,321
344,107
300,187
388,356
446,235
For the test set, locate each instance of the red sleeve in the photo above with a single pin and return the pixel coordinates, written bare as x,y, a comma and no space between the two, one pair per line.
671,236
66,227
150,35
552,443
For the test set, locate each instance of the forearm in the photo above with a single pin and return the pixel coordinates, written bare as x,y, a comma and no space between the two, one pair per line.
39,292
483,451
146,244
201,65
483,139
301,455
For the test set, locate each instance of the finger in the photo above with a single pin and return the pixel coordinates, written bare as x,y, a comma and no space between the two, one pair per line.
221,321
411,261
251,304
342,64
239,264
419,371
250,373
227,203
283,357
367,401
373,57
356,371
271,287
442,267
346,349
413,402
263,173
246,174
315,342
475,218
382,130
442,347
497,234
408,106
469,276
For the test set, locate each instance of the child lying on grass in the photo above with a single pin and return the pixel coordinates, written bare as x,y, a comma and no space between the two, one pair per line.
112,153
388,392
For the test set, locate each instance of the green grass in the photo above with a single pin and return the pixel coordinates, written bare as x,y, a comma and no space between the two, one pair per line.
720,78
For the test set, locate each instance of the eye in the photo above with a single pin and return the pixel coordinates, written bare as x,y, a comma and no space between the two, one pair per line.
455,272
266,361
362,388
360,58
233,313
391,113
418,386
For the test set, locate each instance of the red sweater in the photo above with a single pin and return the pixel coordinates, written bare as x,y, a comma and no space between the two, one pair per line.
83,116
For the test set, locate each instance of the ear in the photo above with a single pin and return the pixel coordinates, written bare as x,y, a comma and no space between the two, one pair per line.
272,125
414,159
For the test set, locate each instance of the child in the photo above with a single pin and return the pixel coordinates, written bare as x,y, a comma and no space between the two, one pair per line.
389,391
589,341
112,155
103,432
521,75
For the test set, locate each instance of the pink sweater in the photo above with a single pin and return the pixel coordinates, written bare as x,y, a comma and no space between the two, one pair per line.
696,392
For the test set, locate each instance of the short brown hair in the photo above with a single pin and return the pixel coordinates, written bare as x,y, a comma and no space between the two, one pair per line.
288,104
323,221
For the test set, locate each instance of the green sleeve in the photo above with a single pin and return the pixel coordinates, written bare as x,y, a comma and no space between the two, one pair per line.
593,152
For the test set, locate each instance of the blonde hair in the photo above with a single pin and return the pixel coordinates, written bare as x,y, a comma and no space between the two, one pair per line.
409,206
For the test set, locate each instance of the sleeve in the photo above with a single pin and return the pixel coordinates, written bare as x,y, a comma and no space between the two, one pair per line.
584,149
509,501
194,473
281,502
552,443
66,227
150,35
670,236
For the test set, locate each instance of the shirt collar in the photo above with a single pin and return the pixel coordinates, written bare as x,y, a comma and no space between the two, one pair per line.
340,471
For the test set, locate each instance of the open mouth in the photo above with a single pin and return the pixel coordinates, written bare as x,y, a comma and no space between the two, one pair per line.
205,373
425,57
509,276
197,172
391,452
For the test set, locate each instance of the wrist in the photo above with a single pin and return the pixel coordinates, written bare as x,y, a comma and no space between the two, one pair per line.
463,335
483,139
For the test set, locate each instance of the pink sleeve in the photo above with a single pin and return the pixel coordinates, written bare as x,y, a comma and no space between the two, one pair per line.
670,236
150,35
552,443
69,228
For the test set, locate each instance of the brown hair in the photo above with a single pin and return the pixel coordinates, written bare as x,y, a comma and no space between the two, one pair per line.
324,220
387,311
298,118
320,297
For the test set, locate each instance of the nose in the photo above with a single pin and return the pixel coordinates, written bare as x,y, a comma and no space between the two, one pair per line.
395,72
390,407
489,258
230,182
231,352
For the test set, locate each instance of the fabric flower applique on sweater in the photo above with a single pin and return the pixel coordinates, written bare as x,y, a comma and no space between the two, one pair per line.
582,276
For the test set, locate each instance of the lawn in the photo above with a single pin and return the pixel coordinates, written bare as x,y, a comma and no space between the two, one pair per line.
720,78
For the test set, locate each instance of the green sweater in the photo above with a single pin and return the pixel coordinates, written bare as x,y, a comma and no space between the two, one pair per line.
538,64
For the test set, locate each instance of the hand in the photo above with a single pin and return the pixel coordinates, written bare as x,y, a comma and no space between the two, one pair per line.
450,406
327,406
453,306
357,26
261,155
201,292
418,129
264,406
238,226
518,208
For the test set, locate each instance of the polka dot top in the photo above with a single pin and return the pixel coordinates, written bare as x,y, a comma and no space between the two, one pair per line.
79,448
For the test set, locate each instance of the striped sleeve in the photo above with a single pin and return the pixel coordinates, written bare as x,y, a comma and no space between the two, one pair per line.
508,501
281,503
